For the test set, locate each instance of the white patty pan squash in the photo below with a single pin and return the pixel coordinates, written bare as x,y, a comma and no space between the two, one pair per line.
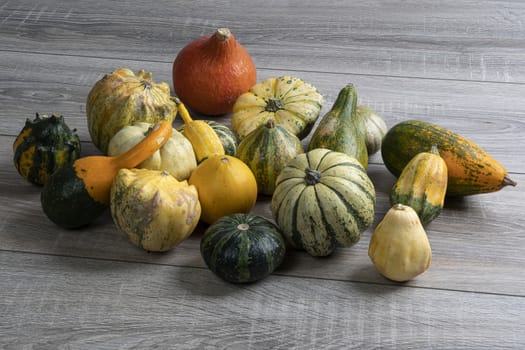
154,210
176,156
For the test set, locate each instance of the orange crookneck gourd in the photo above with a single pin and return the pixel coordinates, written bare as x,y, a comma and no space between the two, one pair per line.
78,193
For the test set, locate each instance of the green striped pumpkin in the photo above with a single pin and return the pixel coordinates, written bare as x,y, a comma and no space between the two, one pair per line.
226,135
266,151
44,145
323,199
242,248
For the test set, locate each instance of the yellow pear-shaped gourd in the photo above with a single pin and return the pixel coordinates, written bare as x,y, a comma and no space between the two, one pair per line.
153,209
399,247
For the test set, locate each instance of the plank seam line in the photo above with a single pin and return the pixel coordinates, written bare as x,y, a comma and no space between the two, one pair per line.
279,69
393,285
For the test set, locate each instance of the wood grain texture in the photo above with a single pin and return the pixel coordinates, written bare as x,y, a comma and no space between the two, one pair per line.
458,40
460,64
86,304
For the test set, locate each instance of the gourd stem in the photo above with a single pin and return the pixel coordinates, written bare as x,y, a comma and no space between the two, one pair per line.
243,227
273,105
184,114
312,176
507,181
270,123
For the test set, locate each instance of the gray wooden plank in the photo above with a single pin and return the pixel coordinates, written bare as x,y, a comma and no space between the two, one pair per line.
490,114
51,302
465,40
475,245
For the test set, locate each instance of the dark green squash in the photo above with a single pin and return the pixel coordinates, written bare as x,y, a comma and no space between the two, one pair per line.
242,248
267,150
341,130
44,145
226,135
78,193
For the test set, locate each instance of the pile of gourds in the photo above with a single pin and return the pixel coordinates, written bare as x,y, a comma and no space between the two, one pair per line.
160,182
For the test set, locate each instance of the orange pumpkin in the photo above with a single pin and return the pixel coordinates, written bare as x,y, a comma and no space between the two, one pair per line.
211,72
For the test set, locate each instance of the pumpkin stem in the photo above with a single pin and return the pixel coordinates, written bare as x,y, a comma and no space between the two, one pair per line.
223,34
273,105
312,176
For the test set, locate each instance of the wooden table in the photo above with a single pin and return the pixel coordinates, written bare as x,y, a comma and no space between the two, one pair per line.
460,64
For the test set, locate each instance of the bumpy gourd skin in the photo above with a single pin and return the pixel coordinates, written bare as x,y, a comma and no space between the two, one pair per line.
66,201
153,209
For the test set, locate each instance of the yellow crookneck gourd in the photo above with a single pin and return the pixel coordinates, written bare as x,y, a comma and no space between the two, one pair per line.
399,247
422,185
203,138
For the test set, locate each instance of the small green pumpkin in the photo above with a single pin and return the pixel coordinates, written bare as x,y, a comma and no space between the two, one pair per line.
43,146
242,248
422,185
323,199
341,130
226,135
267,150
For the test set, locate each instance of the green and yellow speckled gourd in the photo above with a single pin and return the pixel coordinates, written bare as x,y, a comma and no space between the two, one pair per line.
242,248
323,199
44,145
267,150
289,101
78,193
471,170
422,185
340,130
122,98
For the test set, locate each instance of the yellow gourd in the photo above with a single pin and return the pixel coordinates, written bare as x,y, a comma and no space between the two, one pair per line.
399,247
226,186
205,141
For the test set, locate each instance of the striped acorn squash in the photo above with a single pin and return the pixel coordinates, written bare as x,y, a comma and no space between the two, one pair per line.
288,100
471,170
44,145
226,135
242,248
422,185
323,199
266,151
